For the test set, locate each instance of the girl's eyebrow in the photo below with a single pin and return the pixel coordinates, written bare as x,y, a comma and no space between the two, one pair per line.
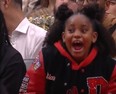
70,24
85,25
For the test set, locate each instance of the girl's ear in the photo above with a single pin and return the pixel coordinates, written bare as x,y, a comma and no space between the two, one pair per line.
95,36
63,36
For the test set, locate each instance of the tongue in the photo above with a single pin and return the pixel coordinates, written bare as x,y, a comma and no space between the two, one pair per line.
77,47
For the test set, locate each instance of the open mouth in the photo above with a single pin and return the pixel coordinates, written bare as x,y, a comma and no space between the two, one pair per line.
77,46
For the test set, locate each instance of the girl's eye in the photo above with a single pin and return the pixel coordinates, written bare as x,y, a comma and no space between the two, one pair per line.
84,30
71,30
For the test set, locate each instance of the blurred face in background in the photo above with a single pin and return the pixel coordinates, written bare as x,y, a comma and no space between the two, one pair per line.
111,7
59,2
71,4
82,3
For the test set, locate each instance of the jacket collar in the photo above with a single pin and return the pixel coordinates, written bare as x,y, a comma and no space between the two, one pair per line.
75,65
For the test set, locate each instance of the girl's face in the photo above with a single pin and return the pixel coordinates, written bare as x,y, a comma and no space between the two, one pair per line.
79,36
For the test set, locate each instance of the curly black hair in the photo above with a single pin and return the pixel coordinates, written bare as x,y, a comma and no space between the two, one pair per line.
105,42
55,31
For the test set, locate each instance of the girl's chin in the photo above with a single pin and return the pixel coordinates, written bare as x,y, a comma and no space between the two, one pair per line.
77,55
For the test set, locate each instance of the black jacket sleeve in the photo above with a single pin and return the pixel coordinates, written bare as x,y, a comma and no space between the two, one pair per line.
2,88
13,72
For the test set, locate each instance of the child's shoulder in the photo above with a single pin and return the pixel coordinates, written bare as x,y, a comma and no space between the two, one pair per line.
50,51
49,48
106,61
110,61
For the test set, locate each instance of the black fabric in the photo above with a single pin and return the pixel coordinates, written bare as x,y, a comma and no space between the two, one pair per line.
2,88
12,69
58,66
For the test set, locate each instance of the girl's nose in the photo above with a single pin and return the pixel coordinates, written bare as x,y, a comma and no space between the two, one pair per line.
77,34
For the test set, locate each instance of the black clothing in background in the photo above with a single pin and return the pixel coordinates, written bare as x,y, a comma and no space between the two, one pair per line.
2,88
12,69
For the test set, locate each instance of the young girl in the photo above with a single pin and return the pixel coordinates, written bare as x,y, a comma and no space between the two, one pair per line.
76,57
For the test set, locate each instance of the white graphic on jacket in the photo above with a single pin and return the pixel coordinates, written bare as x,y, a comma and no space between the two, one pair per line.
50,77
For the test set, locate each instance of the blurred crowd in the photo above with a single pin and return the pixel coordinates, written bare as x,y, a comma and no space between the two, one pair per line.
42,12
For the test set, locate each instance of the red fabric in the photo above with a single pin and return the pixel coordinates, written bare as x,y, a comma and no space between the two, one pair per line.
36,83
112,83
75,65
37,76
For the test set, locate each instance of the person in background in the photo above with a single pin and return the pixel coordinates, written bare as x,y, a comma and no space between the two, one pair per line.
2,88
59,2
42,14
12,67
71,4
44,10
111,7
108,11
114,37
28,5
24,36
109,20
77,60
110,14
82,3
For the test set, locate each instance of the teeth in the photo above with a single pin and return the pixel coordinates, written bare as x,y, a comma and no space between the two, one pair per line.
78,42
